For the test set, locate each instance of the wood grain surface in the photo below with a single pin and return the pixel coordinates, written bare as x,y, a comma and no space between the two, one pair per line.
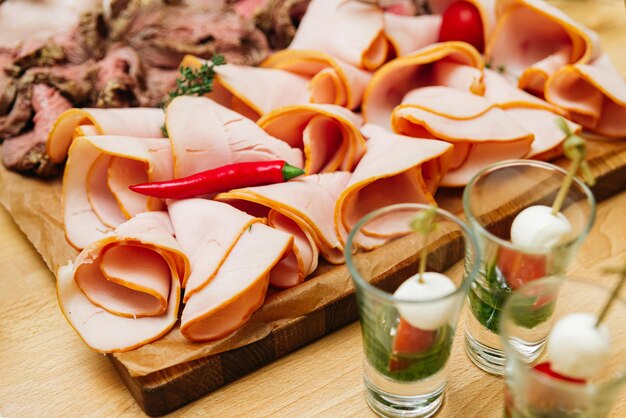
46,371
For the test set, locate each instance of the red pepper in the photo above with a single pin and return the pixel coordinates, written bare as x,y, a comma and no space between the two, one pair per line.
222,179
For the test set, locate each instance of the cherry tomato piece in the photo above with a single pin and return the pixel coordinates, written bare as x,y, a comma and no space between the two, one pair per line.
462,22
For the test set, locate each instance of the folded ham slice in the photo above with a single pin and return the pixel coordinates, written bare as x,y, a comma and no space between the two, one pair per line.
455,64
395,169
532,39
481,132
593,94
206,135
231,283
123,290
136,122
99,169
304,208
253,91
330,80
407,34
328,134
349,30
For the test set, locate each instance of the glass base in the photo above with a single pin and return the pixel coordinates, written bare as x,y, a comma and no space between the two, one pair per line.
489,359
387,405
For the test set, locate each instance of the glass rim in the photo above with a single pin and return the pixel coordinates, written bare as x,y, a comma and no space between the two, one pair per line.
504,243
466,232
617,378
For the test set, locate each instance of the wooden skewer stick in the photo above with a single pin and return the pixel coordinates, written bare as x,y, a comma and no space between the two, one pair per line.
424,223
574,148
615,270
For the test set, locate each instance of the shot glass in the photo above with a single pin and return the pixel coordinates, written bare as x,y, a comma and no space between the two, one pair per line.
491,201
407,343
530,391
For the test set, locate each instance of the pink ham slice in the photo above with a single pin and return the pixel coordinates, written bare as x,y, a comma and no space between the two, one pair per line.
407,34
96,198
532,55
481,132
206,135
209,239
410,172
533,114
330,80
304,208
253,91
349,30
594,95
421,68
237,289
328,135
123,290
136,122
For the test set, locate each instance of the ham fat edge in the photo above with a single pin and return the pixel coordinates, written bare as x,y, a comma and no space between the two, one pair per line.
123,290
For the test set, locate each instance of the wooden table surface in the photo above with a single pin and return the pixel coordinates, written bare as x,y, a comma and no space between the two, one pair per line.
45,370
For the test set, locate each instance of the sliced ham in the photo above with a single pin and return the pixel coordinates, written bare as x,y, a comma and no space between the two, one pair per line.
328,135
395,169
136,122
532,39
593,94
407,34
253,91
99,169
481,132
238,289
123,290
330,80
206,135
422,68
304,208
349,30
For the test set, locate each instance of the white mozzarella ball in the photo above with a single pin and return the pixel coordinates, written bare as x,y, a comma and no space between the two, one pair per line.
428,316
577,348
536,226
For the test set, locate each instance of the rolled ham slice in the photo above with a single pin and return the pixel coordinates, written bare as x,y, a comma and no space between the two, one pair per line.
532,39
304,208
206,135
455,64
395,169
594,95
481,132
328,135
407,34
236,287
349,30
135,122
123,290
253,91
330,80
96,198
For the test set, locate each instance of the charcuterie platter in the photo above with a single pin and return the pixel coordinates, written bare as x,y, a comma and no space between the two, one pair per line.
175,369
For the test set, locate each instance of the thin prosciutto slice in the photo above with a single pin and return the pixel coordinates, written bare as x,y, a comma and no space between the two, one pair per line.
532,39
328,135
136,122
533,114
235,287
481,132
593,94
206,135
253,91
99,169
123,290
304,208
330,80
395,169
454,64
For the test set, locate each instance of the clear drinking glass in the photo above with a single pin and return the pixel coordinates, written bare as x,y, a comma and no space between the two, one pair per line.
491,201
533,394
404,366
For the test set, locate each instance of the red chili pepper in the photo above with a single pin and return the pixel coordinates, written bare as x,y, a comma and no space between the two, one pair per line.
462,22
222,179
